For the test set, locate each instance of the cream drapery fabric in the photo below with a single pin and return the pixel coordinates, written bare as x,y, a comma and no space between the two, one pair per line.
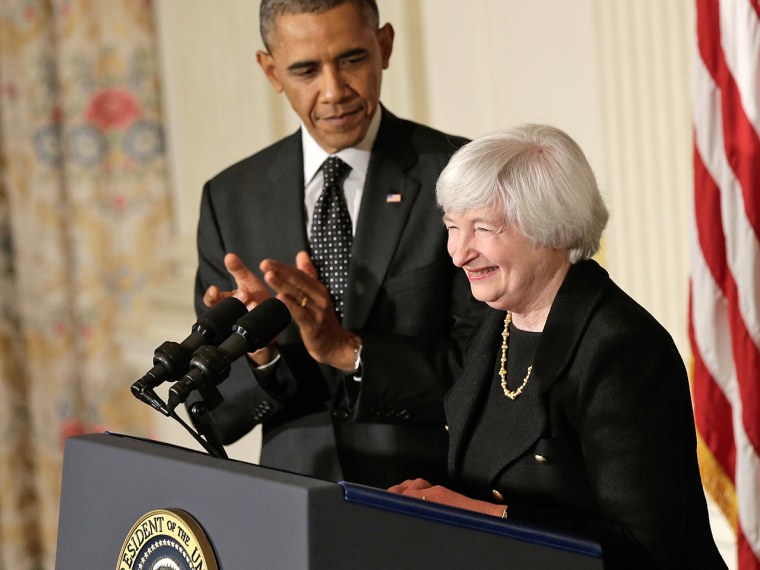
83,209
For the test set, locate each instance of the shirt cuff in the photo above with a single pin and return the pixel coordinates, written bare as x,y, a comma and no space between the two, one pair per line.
269,364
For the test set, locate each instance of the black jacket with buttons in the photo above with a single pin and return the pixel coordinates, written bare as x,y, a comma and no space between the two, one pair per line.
607,446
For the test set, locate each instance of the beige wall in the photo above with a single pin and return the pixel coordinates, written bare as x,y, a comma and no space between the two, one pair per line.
615,74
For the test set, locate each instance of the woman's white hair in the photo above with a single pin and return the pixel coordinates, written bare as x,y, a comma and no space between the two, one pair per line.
539,177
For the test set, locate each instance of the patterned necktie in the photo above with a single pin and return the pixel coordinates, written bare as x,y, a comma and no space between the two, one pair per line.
331,233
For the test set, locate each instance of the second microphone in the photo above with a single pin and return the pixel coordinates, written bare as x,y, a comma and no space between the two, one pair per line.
210,365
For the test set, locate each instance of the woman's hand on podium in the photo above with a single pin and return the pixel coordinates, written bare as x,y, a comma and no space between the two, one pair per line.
422,489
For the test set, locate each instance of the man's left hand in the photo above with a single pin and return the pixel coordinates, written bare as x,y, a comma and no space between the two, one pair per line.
311,307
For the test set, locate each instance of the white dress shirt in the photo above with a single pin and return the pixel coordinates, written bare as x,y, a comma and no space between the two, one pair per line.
357,157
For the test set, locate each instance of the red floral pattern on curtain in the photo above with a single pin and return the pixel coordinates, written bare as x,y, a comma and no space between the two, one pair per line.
83,201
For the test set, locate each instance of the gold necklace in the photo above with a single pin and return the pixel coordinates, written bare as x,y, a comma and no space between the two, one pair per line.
511,394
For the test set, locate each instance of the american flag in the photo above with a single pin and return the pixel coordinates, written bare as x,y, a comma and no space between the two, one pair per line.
724,312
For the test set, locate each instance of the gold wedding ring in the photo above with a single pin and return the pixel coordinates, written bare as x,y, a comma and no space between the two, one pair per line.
304,301
424,498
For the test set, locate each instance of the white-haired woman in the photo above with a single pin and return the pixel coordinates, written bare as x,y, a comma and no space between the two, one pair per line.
574,409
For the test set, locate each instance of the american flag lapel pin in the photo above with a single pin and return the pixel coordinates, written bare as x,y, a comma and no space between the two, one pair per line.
393,198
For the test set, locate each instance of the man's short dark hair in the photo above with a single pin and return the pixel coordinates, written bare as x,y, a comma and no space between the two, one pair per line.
270,10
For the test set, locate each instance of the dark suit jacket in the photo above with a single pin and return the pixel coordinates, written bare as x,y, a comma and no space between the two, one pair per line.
610,412
412,308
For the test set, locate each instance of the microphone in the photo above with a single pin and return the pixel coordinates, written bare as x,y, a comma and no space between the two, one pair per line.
210,365
171,360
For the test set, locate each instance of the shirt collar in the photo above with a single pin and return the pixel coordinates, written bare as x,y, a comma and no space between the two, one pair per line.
357,157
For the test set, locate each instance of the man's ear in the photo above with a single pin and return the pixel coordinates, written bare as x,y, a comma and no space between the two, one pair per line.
266,62
385,39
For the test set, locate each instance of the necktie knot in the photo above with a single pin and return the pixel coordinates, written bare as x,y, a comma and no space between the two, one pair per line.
331,233
334,169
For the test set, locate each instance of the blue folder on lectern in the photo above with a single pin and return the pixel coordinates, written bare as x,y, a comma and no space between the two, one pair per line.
126,501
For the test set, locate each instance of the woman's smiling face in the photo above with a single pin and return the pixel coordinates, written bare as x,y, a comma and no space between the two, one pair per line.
506,270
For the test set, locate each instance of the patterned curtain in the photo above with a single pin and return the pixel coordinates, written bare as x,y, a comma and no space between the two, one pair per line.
84,204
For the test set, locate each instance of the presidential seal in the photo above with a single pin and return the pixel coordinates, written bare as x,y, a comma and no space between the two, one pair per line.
167,539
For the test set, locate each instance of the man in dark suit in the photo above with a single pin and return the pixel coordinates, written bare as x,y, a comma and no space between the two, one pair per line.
354,387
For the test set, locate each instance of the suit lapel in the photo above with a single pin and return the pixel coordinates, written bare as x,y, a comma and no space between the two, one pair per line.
580,293
284,201
463,400
381,221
